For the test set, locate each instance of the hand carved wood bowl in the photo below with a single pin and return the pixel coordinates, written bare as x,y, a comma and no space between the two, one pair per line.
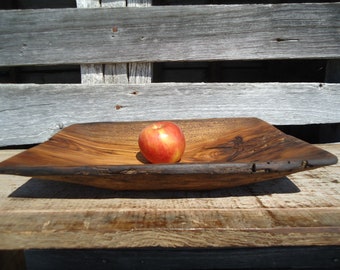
220,153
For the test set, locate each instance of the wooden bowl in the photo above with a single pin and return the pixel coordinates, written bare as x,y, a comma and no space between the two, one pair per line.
220,153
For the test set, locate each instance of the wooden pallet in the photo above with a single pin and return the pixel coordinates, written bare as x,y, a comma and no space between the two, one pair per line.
116,47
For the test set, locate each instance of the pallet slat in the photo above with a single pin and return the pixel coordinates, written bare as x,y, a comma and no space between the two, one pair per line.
115,72
302,209
169,33
31,113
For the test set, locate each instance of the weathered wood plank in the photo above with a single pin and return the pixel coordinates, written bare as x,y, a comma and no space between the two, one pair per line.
140,72
170,33
88,3
127,72
91,73
102,73
31,113
113,3
303,209
120,72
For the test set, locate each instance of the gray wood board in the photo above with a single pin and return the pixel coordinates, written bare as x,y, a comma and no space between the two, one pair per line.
169,33
115,72
31,113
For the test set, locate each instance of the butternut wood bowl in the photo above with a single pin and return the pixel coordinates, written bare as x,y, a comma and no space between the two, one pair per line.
220,153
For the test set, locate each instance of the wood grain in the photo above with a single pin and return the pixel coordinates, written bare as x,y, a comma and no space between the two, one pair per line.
112,73
140,72
302,210
33,113
88,3
169,33
95,73
219,153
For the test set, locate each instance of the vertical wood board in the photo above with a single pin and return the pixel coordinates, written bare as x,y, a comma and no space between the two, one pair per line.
120,72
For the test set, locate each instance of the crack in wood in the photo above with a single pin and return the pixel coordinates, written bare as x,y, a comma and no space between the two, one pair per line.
286,39
20,108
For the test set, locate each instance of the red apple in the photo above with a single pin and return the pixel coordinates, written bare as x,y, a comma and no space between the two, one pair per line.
162,142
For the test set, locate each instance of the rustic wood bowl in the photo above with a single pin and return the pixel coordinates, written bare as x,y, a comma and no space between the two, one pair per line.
220,153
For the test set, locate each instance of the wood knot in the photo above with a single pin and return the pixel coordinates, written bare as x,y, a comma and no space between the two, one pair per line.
129,172
238,140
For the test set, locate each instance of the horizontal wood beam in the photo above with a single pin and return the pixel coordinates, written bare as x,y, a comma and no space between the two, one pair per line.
127,228
169,33
31,113
299,210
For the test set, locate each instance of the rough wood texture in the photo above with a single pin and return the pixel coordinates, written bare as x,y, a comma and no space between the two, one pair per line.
102,73
303,209
88,3
140,73
115,72
219,153
169,33
33,113
129,72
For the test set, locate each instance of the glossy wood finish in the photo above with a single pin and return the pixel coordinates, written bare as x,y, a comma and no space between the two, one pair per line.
219,153
299,210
